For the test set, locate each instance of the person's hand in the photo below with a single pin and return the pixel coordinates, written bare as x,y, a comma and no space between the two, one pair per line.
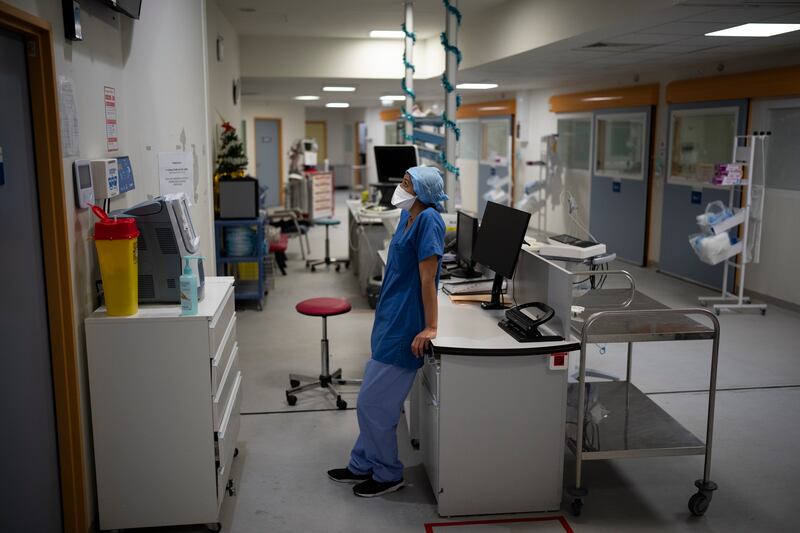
422,340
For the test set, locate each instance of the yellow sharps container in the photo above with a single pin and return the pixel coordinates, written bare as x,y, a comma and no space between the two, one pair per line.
115,240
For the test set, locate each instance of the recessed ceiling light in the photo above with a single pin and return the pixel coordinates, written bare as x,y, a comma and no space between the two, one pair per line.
307,97
341,105
336,89
386,34
601,98
393,98
755,30
476,86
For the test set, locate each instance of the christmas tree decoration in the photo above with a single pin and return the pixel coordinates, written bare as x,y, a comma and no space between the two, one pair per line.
231,159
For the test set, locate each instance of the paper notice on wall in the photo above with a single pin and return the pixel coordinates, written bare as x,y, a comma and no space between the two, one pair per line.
176,173
110,102
68,110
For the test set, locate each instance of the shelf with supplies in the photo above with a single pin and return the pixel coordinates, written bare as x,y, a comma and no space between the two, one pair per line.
239,244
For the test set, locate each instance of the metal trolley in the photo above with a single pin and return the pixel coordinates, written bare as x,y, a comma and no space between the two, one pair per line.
635,425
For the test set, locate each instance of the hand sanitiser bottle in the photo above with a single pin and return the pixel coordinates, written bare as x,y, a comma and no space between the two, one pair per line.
188,288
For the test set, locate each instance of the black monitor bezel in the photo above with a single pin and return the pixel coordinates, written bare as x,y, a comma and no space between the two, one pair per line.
517,244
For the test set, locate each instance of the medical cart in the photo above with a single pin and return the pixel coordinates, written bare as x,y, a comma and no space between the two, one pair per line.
632,424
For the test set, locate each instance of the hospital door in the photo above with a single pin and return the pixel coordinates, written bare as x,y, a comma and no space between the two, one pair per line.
31,494
620,176
268,159
700,135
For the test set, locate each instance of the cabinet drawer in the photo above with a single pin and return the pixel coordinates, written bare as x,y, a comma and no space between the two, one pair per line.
220,361
219,324
228,435
226,385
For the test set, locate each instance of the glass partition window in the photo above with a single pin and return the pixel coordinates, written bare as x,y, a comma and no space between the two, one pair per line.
390,134
574,142
621,141
699,139
469,145
495,141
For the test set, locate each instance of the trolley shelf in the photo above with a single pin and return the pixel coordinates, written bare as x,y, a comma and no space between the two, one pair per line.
635,427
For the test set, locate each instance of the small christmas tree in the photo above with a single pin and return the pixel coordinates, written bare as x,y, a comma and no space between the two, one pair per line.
231,159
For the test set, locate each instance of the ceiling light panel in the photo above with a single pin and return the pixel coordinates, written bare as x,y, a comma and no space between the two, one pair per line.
755,29
393,98
387,34
337,105
338,89
478,86
307,97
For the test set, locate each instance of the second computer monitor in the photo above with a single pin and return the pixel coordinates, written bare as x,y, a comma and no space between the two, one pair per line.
499,241
392,161
466,233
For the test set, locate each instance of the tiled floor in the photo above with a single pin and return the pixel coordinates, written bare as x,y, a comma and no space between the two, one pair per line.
282,485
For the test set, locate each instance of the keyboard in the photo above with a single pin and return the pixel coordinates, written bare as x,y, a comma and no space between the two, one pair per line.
481,286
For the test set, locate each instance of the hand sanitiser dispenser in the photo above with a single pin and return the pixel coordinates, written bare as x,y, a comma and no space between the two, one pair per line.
189,287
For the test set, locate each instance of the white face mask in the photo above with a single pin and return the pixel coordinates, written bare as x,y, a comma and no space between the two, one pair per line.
402,198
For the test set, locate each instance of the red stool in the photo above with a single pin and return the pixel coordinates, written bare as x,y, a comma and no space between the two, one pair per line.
323,307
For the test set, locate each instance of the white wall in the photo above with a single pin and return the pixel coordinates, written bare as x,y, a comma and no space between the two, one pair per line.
293,127
375,137
157,66
221,74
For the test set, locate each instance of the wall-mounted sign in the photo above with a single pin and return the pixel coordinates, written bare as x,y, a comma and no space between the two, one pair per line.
110,101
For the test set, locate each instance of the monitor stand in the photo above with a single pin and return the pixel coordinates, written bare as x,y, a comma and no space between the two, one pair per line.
466,273
497,295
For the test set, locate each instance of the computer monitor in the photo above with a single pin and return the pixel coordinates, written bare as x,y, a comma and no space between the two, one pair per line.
500,238
466,233
392,161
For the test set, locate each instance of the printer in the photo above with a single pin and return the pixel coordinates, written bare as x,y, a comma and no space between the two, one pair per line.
166,236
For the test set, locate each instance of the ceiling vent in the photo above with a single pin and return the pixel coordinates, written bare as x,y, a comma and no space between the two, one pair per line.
614,47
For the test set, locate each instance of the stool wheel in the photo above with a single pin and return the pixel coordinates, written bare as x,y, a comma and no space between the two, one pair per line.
341,404
294,383
291,399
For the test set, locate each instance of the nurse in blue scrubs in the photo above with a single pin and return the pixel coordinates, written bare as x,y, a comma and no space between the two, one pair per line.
405,323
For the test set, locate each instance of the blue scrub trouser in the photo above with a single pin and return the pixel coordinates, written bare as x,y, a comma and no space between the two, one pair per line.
380,402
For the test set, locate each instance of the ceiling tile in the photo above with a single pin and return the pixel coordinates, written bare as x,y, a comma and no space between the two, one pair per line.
686,28
742,14
647,38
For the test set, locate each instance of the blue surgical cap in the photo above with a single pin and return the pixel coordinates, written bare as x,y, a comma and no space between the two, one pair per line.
428,185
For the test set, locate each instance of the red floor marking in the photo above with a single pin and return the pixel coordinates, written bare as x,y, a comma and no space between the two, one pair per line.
560,519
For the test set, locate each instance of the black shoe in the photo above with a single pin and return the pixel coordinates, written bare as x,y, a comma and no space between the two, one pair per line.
372,488
344,475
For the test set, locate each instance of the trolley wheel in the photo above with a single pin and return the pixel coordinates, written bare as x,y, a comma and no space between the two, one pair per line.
341,404
763,312
216,526
313,269
716,312
577,505
291,399
347,264
415,444
699,502
338,267
294,383
236,452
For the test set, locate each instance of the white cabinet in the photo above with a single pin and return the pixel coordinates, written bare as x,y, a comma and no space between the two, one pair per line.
492,433
166,392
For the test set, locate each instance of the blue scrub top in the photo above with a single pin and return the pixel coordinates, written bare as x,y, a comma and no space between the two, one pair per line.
400,315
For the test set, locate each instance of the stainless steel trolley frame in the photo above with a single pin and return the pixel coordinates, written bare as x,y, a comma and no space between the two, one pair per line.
636,426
